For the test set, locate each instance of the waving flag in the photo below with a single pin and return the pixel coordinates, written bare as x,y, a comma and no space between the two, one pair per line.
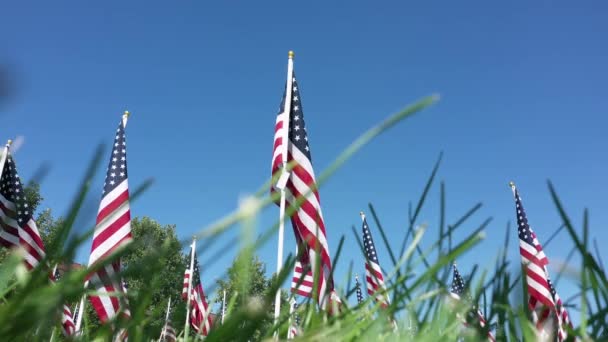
200,315
112,231
542,297
301,192
17,225
457,291
358,289
18,228
373,271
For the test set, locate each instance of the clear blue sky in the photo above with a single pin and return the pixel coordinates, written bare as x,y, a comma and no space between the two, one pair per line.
523,90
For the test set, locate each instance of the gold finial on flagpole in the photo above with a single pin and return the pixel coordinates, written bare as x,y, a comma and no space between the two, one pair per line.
9,142
361,213
291,54
126,113
511,184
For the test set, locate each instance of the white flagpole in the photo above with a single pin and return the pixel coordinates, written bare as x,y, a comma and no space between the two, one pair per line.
164,331
283,179
4,155
189,289
223,306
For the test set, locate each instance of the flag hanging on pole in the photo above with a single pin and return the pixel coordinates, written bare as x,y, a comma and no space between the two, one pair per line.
373,272
67,321
17,225
112,231
200,313
547,314
358,290
294,329
291,147
167,334
457,291
18,228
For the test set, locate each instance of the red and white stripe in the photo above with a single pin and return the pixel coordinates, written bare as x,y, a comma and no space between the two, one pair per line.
375,283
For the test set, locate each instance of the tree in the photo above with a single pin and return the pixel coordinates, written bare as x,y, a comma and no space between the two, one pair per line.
257,289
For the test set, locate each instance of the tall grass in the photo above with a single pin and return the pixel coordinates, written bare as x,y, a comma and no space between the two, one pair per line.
29,308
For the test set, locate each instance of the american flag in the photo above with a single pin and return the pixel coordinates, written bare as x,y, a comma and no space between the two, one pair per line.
112,231
307,221
457,290
294,326
359,292
67,322
373,273
200,316
18,228
302,281
534,261
168,333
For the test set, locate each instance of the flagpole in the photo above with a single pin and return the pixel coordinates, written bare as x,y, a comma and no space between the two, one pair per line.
223,306
285,140
187,329
164,331
4,155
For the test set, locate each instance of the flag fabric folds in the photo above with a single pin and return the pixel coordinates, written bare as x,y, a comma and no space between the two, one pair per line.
358,290
200,315
457,291
67,321
294,329
168,333
18,228
112,231
17,225
301,192
373,272
548,313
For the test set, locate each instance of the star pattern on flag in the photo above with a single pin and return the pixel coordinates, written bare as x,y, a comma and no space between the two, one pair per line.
117,169
368,244
297,128
12,189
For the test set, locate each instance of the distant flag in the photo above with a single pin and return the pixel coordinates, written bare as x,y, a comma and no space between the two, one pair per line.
112,231
358,289
373,272
67,321
294,329
200,315
542,297
167,334
291,147
458,290
18,228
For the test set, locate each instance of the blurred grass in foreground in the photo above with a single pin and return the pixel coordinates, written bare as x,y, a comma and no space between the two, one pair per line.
29,308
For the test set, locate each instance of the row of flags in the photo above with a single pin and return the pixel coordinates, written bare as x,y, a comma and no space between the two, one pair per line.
292,168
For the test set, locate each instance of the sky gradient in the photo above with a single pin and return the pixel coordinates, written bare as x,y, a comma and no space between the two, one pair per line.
523,98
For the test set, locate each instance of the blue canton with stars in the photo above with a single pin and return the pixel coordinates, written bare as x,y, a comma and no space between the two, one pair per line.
12,189
368,244
457,283
117,169
359,293
297,129
196,280
524,230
